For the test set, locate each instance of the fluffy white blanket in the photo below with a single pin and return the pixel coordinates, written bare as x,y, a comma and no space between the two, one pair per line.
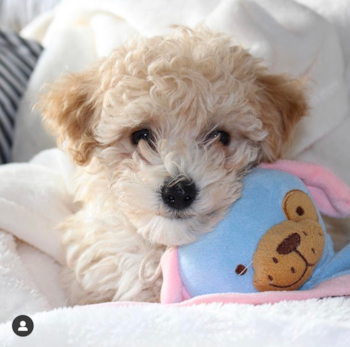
302,324
35,196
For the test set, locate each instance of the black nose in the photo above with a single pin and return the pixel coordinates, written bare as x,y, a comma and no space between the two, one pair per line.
179,195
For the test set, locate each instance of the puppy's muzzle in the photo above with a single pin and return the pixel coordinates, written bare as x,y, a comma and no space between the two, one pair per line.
180,195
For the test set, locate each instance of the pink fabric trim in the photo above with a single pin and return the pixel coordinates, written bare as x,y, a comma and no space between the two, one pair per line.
339,286
331,194
172,288
185,294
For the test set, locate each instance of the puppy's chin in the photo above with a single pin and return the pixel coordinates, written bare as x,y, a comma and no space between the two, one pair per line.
171,231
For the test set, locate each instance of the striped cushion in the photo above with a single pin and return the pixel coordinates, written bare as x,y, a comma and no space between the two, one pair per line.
17,60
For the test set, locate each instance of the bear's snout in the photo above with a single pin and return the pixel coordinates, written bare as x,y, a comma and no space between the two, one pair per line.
289,244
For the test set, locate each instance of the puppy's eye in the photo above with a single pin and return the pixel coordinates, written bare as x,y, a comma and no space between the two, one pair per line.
139,135
223,137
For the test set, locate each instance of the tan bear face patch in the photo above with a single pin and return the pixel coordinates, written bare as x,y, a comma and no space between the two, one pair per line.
288,253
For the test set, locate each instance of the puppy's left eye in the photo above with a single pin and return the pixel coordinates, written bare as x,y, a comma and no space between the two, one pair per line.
223,137
139,135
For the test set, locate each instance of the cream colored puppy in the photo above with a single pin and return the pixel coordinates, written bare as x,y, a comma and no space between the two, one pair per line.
163,130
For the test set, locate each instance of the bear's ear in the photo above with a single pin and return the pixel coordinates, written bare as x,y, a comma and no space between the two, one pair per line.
330,193
282,104
71,108
297,205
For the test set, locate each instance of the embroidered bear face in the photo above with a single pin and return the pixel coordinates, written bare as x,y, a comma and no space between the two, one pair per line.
288,252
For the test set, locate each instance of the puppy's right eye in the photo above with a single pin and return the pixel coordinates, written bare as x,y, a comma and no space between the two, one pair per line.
223,137
139,135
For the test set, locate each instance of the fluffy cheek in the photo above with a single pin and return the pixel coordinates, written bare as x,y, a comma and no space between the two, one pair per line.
138,196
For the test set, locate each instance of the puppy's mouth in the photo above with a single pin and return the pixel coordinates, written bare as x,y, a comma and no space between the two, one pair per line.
186,214
181,216
169,213
176,215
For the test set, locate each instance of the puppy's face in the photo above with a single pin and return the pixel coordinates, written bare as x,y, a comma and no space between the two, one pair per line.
176,121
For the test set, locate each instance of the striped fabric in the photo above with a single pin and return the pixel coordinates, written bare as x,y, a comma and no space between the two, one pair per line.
17,60
16,14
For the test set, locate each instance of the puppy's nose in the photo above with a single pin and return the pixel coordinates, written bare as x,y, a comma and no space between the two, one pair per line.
180,195
289,244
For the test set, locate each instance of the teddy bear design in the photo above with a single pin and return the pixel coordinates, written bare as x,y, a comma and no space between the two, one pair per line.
272,239
288,252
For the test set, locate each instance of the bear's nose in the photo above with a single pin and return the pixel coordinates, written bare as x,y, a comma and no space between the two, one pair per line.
289,244
180,195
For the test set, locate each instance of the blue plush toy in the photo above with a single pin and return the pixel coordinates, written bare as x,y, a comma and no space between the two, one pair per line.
273,239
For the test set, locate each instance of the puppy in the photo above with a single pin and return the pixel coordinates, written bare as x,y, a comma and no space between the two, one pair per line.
162,132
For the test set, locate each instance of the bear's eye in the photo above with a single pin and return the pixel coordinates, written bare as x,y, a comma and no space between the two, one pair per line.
300,211
223,137
139,135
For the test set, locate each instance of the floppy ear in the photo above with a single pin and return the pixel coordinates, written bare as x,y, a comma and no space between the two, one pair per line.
282,104
71,108
331,194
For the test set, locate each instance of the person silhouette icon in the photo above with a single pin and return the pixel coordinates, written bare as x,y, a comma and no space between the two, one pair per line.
22,326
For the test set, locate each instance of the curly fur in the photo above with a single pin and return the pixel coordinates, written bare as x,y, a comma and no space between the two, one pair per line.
181,86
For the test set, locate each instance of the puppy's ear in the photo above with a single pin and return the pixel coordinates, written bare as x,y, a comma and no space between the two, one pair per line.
70,108
282,104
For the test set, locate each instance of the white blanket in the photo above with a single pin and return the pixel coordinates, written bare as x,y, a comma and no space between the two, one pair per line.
35,197
303,324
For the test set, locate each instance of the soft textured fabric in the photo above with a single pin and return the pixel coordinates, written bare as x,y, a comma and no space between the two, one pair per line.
18,57
312,323
34,198
223,260
322,184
